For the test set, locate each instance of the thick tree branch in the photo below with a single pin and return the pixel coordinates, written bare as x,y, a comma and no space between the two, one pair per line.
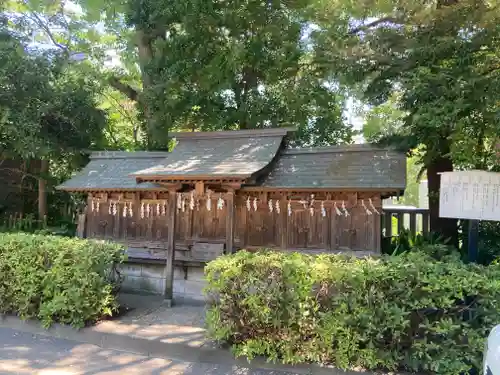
375,23
128,90
38,20
145,52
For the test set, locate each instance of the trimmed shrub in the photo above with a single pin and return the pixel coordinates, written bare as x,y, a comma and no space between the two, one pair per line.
58,279
410,312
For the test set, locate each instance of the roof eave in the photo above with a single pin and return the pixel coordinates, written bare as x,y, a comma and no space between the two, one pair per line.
153,178
317,188
273,132
87,189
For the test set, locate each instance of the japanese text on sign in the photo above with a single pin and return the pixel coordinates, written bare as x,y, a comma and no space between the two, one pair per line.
470,195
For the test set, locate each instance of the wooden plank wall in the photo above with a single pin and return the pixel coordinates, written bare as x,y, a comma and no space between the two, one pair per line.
253,229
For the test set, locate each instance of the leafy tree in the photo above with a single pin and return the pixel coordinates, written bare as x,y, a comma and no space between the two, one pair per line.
204,65
442,57
381,122
49,111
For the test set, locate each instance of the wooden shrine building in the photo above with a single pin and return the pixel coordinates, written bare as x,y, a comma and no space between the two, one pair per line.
223,191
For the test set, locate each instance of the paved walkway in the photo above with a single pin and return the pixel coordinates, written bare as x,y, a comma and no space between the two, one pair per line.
149,329
27,354
148,318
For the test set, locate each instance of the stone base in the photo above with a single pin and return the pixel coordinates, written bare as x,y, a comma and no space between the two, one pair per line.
150,279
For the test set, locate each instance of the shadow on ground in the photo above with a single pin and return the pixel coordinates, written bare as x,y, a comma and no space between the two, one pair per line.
24,353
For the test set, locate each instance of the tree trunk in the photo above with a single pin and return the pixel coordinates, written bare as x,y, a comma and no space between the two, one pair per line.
144,42
42,189
447,228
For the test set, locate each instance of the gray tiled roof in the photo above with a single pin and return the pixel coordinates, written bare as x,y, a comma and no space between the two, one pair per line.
111,170
339,167
237,154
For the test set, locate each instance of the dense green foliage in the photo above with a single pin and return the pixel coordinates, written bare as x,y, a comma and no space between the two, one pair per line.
200,65
425,73
431,70
489,242
57,279
411,312
49,110
406,241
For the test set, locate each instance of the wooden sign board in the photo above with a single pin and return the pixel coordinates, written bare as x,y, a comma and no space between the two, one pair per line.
471,195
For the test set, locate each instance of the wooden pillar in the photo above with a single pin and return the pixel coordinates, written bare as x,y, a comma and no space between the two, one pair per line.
387,223
169,266
81,224
284,223
333,229
230,222
401,222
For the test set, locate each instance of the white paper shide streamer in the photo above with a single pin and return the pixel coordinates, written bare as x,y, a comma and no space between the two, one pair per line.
289,208
255,204
278,208
191,202
249,204
142,210
270,204
337,211
346,213
323,211
368,212
373,207
220,203
179,202
209,202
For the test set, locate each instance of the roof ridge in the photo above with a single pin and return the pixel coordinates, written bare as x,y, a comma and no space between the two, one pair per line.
128,155
247,133
363,147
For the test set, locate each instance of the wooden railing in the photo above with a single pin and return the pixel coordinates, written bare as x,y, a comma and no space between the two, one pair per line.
395,219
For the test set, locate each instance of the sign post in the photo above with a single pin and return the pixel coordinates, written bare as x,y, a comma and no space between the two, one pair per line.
473,195
473,237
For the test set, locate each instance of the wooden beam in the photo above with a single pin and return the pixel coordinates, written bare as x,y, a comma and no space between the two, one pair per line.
231,186
313,190
230,221
169,266
176,186
200,188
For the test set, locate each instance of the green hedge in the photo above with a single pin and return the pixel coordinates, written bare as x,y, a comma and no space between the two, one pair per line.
57,279
408,312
